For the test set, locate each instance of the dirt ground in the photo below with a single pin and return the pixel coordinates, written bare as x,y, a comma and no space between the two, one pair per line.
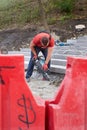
15,38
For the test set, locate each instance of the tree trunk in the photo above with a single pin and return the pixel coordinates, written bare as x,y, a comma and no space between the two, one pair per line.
43,15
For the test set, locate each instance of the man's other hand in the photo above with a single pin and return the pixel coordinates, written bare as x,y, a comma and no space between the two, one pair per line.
45,67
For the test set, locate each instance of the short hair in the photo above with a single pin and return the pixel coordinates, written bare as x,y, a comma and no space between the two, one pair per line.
45,40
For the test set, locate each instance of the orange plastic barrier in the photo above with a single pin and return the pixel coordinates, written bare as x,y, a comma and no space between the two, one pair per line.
20,109
68,111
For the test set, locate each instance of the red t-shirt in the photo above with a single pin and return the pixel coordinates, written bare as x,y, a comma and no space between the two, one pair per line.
36,40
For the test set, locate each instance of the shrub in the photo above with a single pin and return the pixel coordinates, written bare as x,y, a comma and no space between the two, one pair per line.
66,5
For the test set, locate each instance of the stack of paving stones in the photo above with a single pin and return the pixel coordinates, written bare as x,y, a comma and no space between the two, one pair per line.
45,89
73,47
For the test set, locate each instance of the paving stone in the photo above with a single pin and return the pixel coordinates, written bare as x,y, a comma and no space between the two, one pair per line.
59,56
58,69
19,52
61,62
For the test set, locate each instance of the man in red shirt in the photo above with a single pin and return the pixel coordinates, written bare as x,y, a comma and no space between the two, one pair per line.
42,42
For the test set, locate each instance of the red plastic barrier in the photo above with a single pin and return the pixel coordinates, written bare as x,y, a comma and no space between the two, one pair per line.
69,109
86,108
0,107
20,109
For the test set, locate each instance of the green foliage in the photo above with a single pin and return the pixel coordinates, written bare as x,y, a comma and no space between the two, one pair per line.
49,6
66,5
23,11
5,3
19,12
65,17
51,20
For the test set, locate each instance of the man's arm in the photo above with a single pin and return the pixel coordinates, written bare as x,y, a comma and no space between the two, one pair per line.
32,45
50,50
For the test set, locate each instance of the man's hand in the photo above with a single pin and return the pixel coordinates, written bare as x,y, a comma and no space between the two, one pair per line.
34,57
45,67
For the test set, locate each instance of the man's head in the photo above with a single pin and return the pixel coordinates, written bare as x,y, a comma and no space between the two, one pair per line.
45,41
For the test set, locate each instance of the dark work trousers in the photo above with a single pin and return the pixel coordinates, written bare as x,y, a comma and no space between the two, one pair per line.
31,63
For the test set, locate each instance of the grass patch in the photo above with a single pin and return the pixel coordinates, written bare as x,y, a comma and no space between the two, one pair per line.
65,17
51,21
27,11
17,12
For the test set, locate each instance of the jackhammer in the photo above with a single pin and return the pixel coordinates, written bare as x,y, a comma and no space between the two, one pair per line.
38,64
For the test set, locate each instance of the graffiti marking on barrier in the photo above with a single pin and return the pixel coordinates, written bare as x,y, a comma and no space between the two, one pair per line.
26,105
1,69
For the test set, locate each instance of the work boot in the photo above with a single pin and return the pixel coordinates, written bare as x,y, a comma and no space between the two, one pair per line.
28,79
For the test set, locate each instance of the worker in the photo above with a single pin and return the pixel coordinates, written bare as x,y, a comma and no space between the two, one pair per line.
42,42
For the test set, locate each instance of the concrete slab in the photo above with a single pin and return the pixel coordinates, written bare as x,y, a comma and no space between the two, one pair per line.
58,69
61,62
